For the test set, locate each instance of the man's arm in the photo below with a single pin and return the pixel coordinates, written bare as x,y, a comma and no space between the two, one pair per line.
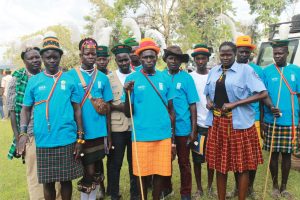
24,121
108,125
128,87
193,110
78,120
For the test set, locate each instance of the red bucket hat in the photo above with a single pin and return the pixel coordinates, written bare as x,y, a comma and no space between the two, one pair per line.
147,44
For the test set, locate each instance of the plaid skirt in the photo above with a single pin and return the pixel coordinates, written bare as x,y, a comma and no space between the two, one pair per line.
231,149
57,164
93,150
153,157
282,139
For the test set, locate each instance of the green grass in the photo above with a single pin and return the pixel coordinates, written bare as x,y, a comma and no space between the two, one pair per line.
13,184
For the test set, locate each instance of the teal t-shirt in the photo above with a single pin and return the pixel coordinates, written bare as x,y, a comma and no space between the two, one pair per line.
271,78
151,117
94,124
63,129
255,105
185,94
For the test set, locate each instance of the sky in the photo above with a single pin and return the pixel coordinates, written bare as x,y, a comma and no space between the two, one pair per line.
21,17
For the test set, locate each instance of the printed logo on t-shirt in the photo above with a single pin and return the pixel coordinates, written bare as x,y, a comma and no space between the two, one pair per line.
99,84
141,87
42,87
63,85
293,77
275,79
178,86
161,86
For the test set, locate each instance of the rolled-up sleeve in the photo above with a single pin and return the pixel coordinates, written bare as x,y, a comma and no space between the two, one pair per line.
11,95
254,82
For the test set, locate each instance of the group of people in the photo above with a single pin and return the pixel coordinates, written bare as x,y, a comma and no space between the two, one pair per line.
65,123
5,77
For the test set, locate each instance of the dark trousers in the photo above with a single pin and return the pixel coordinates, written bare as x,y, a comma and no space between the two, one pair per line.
114,163
183,153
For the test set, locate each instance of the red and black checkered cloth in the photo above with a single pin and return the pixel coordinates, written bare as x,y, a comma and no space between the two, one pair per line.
231,149
57,164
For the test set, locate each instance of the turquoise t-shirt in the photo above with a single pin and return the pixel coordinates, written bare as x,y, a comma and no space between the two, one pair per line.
94,124
63,129
151,117
271,78
138,68
255,105
185,94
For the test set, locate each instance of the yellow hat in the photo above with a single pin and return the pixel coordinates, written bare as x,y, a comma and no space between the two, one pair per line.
245,41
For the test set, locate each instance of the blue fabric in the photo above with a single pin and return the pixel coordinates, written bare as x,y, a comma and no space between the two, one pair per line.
63,129
185,95
255,105
94,124
271,79
151,117
241,82
138,68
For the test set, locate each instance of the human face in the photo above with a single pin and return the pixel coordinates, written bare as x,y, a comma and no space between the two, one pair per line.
280,55
88,57
201,61
133,57
173,62
227,56
33,61
51,59
102,63
148,59
123,62
243,54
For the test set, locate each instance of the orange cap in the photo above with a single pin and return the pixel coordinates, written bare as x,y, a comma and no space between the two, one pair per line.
147,44
245,41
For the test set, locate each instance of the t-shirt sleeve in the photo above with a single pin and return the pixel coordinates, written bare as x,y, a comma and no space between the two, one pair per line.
254,82
298,79
75,96
107,92
206,89
29,93
192,94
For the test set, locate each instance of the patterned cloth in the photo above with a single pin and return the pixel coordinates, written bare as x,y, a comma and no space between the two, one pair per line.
93,151
231,149
57,164
21,79
282,139
154,158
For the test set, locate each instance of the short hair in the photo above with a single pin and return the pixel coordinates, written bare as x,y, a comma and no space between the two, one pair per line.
27,50
84,40
227,43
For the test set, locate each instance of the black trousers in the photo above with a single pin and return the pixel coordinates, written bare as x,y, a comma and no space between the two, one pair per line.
120,140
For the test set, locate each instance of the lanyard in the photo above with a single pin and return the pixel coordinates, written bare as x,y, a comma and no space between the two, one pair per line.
49,97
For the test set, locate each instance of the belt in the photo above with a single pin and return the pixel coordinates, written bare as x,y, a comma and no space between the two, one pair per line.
220,113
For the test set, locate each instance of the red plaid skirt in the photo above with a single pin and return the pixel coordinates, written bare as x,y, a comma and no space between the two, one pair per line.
231,149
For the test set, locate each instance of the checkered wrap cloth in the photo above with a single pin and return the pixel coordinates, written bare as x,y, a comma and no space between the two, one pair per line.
282,139
57,164
154,158
231,149
21,83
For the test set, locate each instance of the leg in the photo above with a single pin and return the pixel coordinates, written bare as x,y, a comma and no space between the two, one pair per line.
133,183
252,174
243,183
285,169
183,153
235,191
49,191
99,168
116,157
210,177
66,190
274,169
197,172
157,187
144,188
221,185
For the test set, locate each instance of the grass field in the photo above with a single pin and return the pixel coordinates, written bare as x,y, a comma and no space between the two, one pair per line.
13,181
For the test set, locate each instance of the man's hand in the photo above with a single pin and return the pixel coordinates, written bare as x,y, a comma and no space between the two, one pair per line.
21,145
262,130
129,86
109,141
193,137
209,104
77,150
276,112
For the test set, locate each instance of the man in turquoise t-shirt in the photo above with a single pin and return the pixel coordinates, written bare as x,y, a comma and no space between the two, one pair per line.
152,111
185,111
57,118
96,126
285,139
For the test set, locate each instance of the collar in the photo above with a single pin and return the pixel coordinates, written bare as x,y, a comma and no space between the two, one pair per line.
234,67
